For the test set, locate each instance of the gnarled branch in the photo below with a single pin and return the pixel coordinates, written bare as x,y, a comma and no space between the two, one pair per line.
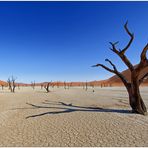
143,54
105,67
144,61
114,49
122,56
114,67
120,53
131,38
115,71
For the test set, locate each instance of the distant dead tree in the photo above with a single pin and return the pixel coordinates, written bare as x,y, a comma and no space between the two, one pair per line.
86,86
101,85
11,84
132,87
2,86
68,85
47,86
93,86
33,84
64,85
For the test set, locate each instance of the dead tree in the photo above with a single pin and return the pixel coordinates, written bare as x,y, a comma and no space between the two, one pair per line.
47,87
132,86
2,86
64,85
33,85
11,84
101,85
86,86
68,85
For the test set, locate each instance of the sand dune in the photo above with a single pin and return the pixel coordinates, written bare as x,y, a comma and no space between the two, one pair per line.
127,74
115,80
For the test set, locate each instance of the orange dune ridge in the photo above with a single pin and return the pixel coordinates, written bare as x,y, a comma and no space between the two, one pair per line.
113,81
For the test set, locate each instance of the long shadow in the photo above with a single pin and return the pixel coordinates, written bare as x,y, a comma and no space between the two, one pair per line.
68,108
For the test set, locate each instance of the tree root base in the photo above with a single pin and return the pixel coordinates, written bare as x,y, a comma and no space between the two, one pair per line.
141,113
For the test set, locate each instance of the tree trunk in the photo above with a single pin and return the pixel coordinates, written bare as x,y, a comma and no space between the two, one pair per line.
135,99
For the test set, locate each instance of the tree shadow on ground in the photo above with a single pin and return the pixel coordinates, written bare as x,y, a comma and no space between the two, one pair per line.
69,108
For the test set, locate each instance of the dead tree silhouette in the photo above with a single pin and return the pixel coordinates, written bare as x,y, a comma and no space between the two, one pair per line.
46,86
86,86
11,84
64,85
132,87
33,85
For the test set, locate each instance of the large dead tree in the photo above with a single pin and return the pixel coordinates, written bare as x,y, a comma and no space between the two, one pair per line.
132,86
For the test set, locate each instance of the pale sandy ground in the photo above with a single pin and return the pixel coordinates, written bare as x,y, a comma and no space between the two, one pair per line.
71,118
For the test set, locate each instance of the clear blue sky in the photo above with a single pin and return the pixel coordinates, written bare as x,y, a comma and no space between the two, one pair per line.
45,41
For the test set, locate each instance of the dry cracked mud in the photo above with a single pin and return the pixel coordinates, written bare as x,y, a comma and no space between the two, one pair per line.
73,117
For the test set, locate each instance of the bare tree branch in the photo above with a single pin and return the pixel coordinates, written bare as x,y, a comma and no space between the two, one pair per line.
122,56
114,67
144,61
131,38
115,71
105,67
120,52
114,49
143,54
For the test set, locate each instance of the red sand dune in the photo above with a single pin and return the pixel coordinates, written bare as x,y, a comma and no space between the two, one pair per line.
113,81
3,83
116,80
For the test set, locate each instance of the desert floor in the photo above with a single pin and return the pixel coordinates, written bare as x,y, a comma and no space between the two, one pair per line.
73,117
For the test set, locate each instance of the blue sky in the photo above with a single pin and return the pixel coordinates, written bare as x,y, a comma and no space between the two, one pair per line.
45,41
